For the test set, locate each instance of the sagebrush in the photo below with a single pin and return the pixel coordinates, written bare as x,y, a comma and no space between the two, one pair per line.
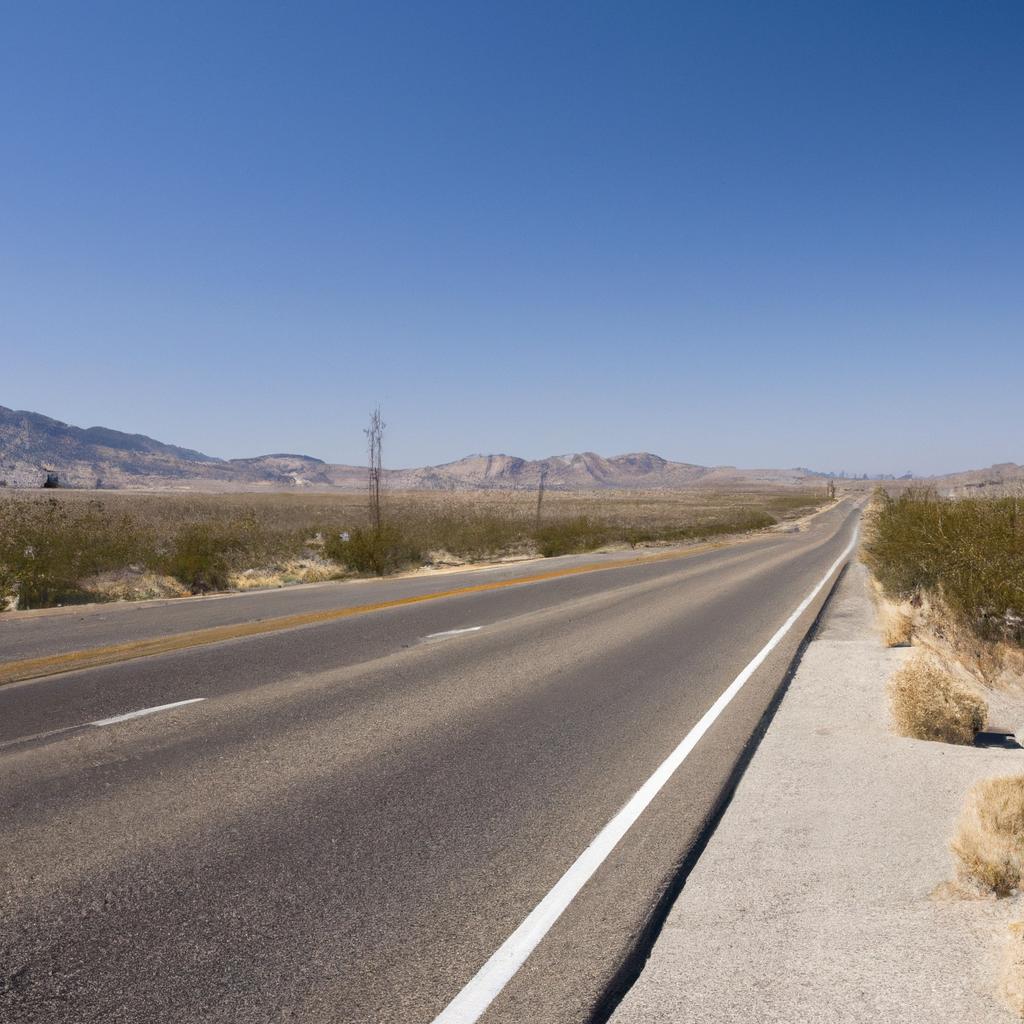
967,552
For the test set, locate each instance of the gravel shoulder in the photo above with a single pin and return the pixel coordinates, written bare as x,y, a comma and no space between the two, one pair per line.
819,896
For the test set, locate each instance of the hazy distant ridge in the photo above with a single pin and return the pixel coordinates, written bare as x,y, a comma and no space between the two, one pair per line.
32,445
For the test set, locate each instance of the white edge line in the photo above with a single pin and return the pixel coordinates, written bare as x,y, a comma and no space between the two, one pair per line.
481,990
452,632
145,711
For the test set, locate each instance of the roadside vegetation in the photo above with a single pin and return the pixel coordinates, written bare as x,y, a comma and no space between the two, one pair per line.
949,575
897,624
965,554
65,547
949,579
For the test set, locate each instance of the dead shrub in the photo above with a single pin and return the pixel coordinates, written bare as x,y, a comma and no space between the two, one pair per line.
928,703
989,841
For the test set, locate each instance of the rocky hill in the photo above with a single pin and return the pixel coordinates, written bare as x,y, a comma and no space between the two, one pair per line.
32,445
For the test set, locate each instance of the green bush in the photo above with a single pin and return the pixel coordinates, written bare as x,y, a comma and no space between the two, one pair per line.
569,536
202,554
198,557
48,547
375,551
738,522
469,533
968,551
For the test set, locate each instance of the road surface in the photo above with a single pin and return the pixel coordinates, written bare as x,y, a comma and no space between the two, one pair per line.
349,818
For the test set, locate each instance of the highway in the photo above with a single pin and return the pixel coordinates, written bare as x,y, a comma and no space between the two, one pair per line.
354,812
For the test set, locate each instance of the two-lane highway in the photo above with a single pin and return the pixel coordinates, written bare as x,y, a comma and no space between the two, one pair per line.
352,814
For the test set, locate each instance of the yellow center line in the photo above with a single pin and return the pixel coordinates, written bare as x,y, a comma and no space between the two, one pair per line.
54,664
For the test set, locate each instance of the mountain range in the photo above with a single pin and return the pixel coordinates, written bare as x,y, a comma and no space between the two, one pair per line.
33,446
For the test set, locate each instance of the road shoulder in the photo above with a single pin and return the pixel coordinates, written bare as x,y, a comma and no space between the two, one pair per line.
815,899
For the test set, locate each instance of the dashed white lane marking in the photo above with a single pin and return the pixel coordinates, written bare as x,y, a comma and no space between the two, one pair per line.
452,632
146,711
481,990
51,733
37,736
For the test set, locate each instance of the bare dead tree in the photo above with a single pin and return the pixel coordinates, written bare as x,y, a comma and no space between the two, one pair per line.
374,443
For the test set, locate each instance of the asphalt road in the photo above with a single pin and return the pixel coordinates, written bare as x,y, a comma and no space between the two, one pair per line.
357,814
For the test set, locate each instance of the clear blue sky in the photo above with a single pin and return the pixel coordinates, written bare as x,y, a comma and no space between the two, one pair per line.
760,234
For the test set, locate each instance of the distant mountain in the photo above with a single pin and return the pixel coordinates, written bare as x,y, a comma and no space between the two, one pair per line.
32,446
1004,477
582,471
35,435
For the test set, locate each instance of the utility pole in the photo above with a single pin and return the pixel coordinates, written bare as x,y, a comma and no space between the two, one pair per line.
540,493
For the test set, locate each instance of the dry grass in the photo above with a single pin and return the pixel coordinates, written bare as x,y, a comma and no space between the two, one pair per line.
897,624
1012,973
928,703
311,570
896,620
132,584
997,664
989,841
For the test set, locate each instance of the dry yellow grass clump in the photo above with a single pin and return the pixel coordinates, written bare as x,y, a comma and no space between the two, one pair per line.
312,570
1013,969
997,663
928,703
894,619
897,625
989,841
132,584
